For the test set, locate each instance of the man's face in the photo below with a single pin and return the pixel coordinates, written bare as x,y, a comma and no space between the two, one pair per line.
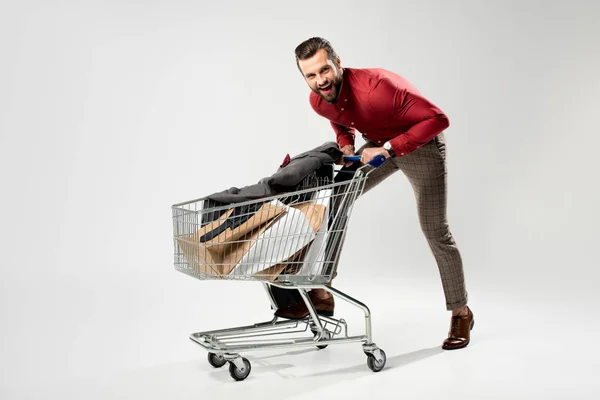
322,75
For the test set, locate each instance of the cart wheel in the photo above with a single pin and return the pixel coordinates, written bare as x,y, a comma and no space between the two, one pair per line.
375,365
216,360
327,335
240,375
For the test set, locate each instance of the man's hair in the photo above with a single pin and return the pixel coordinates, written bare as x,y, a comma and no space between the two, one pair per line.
309,48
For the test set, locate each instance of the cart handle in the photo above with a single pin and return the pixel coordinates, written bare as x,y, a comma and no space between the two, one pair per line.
376,162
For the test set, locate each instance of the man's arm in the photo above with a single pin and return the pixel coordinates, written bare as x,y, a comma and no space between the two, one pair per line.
345,139
344,135
427,120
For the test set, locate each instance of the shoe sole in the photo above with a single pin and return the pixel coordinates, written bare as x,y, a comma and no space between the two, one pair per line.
290,316
325,313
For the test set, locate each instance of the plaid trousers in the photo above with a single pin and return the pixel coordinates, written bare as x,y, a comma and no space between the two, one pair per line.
426,171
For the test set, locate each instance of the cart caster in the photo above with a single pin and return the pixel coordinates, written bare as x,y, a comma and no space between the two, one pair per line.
239,374
374,364
326,336
216,360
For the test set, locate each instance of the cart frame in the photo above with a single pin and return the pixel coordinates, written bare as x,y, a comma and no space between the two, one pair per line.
225,345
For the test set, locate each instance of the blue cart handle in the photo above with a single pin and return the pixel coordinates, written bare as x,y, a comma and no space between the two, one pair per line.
376,162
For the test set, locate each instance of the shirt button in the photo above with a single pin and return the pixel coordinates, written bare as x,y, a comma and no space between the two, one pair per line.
351,123
342,108
379,141
345,99
401,154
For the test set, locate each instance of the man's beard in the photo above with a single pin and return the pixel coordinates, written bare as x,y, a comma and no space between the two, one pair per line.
333,96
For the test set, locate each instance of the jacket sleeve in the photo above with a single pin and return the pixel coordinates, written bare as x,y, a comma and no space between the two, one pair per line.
424,118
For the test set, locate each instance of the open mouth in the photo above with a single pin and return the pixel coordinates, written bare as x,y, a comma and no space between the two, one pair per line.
326,89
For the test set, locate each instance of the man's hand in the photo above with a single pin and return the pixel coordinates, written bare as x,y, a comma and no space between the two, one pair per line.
348,150
370,153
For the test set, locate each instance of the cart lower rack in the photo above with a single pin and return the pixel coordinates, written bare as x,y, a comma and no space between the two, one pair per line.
291,241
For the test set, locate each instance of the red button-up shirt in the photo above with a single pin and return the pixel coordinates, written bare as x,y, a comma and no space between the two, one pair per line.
383,106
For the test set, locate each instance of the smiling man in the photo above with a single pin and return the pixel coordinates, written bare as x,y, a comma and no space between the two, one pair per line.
395,120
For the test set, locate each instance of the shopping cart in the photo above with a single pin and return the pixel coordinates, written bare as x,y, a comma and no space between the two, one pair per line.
290,241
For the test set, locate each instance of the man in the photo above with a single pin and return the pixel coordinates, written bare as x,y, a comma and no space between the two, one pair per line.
399,123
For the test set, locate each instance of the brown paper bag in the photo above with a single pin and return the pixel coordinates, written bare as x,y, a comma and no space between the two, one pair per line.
219,255
314,214
273,272
223,240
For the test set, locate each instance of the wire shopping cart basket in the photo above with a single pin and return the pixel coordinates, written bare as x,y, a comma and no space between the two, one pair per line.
289,241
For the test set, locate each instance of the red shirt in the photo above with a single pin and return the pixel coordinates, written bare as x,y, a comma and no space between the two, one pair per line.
382,106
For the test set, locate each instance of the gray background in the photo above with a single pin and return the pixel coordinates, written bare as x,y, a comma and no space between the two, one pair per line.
112,111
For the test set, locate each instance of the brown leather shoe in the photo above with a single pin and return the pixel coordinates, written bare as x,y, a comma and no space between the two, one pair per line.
323,306
459,335
298,311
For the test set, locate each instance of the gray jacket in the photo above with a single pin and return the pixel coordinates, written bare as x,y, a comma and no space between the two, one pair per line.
286,178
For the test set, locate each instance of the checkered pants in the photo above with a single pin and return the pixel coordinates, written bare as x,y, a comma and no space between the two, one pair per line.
426,171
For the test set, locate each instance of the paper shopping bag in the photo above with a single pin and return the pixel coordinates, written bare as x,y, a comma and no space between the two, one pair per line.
315,262
288,266
285,237
217,247
239,222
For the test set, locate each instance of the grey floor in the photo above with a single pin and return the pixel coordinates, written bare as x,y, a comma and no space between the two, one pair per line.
520,349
